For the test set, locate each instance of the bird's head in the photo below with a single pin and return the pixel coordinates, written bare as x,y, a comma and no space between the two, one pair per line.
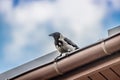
55,35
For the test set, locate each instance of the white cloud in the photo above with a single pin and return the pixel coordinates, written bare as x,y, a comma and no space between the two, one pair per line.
81,18
116,4
24,20
33,13
5,5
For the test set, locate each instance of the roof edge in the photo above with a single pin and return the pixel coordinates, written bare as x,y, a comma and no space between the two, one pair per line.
109,45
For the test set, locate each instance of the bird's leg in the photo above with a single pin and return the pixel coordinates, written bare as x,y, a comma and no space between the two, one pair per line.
66,54
58,57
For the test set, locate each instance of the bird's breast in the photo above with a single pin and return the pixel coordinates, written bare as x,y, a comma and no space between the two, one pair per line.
65,47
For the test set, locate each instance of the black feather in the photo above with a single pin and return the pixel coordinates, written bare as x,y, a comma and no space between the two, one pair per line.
71,43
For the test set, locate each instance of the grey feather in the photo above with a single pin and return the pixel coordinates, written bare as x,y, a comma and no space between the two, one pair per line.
71,43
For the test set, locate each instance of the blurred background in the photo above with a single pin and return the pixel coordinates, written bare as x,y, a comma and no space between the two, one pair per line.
26,24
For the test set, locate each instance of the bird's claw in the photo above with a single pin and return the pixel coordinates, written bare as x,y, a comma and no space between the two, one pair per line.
55,59
67,54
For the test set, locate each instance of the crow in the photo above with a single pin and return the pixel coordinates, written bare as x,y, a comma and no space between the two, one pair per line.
63,44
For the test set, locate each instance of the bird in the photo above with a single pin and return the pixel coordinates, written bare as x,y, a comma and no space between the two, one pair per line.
63,44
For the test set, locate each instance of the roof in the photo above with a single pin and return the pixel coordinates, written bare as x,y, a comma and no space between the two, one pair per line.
40,67
106,68
39,62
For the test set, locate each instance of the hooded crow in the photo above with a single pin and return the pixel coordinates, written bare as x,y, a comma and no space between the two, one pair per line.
63,44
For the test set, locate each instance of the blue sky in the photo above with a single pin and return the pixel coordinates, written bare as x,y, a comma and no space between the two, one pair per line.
26,24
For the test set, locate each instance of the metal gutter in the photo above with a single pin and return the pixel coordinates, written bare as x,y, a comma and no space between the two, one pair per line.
32,65
93,68
76,59
114,31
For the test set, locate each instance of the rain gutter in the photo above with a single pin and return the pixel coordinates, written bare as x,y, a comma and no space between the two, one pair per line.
78,58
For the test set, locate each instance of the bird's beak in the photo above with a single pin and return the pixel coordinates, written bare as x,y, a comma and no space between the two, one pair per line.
51,34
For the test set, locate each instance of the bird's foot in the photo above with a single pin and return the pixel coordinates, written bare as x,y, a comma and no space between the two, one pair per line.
56,59
67,54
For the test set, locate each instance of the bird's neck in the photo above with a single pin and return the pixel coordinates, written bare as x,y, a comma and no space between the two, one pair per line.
59,40
61,37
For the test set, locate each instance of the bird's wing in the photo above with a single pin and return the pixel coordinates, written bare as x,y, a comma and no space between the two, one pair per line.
71,43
